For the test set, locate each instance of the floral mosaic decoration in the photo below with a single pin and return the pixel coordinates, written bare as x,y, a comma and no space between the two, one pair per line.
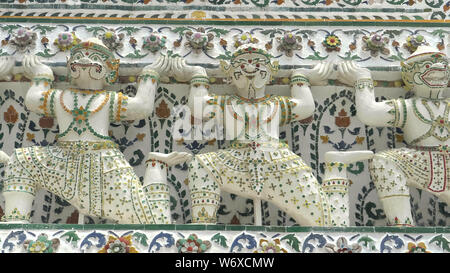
193,245
244,38
332,43
414,41
270,247
199,40
41,245
119,245
289,43
112,40
419,248
154,42
342,246
24,39
149,241
376,43
66,41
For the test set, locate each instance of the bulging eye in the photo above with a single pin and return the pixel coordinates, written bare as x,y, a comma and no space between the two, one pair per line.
242,66
427,66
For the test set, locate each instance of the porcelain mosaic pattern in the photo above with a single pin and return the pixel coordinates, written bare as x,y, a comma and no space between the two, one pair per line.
249,9
380,47
219,239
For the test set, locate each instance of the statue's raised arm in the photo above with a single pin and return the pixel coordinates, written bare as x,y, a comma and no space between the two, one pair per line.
142,105
41,76
369,111
301,97
199,80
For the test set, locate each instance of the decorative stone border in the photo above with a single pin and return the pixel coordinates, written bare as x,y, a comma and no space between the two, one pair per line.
221,238
235,9
139,44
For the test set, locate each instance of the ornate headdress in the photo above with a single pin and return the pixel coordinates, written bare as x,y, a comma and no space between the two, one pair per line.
247,44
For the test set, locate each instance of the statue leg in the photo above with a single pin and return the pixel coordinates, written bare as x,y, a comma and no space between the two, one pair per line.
335,183
300,195
19,187
157,190
155,182
205,194
18,207
393,191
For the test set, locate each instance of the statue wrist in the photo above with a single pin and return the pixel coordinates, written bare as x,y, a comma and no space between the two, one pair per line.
198,80
45,78
149,74
299,79
363,83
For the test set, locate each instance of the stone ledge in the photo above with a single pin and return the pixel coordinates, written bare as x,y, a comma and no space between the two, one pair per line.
226,238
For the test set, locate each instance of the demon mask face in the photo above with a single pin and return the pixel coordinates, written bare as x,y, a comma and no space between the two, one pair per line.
92,61
426,72
250,70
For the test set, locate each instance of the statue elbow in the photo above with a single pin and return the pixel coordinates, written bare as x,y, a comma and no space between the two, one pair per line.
308,109
365,116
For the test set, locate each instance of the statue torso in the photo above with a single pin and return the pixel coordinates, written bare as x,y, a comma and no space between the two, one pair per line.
427,122
83,116
253,120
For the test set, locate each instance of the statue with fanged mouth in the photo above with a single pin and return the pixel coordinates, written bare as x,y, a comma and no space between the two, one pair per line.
424,118
86,167
258,165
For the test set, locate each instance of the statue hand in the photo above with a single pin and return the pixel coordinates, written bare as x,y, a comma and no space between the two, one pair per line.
318,75
32,67
171,159
184,72
161,66
6,66
349,73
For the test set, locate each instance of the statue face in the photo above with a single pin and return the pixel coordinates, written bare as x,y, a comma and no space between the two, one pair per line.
429,76
433,72
91,65
87,65
250,72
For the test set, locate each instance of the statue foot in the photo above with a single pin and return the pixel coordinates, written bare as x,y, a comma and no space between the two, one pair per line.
348,157
171,159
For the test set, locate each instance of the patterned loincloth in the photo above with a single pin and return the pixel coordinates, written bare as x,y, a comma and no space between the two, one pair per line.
91,176
426,166
254,162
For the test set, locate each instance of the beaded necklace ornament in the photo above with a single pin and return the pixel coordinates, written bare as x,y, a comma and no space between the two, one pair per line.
264,101
47,79
299,80
80,114
276,105
441,123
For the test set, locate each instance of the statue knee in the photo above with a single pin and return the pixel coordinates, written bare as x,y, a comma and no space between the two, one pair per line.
389,179
18,206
